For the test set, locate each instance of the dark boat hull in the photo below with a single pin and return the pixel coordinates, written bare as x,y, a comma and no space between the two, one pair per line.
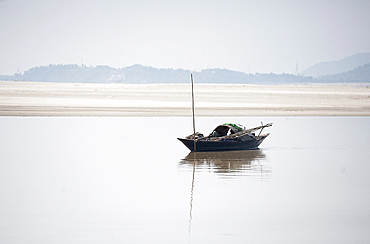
227,145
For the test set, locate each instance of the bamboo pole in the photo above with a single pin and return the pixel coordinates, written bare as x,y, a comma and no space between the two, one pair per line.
192,105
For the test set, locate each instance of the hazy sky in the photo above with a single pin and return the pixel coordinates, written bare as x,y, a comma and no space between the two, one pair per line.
257,36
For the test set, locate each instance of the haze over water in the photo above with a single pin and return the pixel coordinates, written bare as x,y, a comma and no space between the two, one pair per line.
128,180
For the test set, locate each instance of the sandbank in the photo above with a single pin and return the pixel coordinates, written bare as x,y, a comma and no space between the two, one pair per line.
18,98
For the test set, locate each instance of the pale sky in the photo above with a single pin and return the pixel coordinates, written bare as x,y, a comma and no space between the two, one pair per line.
258,36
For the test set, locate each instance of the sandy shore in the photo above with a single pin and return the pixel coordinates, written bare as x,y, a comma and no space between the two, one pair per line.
72,99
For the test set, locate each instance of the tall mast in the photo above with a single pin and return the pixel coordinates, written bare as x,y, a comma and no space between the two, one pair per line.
192,105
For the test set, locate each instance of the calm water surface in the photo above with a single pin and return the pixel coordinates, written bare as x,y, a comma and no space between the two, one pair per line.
128,180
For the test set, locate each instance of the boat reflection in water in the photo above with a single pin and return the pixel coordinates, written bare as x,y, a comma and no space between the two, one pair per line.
230,163
227,164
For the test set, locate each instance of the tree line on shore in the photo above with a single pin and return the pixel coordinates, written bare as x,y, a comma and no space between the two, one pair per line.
138,74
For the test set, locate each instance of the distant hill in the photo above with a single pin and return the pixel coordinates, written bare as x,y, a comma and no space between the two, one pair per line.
137,74
72,73
336,67
359,74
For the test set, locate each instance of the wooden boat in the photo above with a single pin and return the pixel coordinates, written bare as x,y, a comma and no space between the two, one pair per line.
226,137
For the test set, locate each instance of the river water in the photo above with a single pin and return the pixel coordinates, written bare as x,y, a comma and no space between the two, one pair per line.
128,180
